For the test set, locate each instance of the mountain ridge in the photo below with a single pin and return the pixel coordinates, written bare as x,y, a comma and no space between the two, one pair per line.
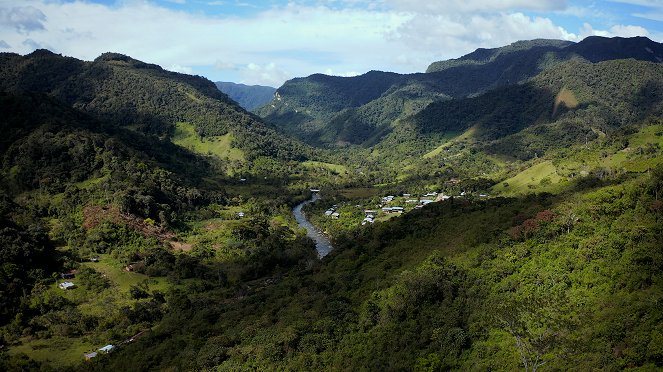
323,122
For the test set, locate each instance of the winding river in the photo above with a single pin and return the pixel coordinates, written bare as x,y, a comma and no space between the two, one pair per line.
322,244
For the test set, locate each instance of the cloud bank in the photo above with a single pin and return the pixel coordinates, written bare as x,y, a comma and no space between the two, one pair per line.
274,44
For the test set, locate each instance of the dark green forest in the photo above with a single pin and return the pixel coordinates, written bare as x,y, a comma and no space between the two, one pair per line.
146,210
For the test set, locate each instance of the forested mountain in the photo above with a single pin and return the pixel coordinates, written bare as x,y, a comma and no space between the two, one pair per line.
309,108
118,158
574,101
248,96
129,93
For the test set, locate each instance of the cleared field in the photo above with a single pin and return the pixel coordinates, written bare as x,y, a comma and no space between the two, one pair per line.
530,177
58,352
337,168
220,146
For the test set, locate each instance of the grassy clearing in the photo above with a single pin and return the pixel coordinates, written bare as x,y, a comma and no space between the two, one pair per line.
57,352
541,174
220,146
122,280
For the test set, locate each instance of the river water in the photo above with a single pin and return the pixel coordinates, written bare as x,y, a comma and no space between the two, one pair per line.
322,244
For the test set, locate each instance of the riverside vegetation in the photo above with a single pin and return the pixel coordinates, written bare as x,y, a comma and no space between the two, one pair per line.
172,206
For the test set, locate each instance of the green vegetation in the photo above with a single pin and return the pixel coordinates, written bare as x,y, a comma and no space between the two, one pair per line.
336,168
220,146
529,238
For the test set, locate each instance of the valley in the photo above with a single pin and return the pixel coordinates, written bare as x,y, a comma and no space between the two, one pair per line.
500,211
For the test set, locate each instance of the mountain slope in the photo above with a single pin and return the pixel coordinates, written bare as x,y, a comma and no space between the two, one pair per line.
324,122
248,96
129,93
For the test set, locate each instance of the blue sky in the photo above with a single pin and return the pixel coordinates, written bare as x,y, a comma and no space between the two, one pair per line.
268,42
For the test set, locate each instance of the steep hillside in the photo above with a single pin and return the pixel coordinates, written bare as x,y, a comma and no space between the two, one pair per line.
324,122
559,107
120,90
248,96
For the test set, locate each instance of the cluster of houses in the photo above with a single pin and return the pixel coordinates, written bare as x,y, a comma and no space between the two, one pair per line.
417,201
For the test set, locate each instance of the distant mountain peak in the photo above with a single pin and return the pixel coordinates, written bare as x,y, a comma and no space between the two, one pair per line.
248,96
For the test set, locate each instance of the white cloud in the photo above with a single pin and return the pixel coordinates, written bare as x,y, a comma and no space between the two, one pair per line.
269,74
23,19
180,69
474,6
451,36
222,65
616,30
330,71
270,46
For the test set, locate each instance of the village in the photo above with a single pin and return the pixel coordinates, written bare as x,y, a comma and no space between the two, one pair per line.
389,206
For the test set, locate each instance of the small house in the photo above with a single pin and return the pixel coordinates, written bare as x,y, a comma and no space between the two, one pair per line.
107,349
329,212
426,201
91,355
94,259
412,201
336,215
397,209
240,214
67,285
314,190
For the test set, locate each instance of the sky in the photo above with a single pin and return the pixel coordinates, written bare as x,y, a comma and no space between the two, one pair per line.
268,42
